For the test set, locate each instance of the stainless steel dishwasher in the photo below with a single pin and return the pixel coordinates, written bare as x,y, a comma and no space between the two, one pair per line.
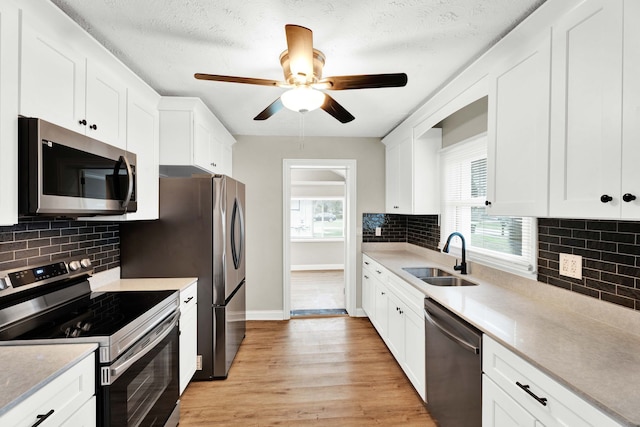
453,368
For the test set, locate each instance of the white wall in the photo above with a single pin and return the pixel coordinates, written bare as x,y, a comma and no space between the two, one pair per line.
317,255
257,161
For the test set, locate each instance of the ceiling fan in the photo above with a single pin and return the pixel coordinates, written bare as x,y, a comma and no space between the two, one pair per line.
302,66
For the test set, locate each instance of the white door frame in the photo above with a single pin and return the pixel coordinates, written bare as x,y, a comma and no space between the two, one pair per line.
350,227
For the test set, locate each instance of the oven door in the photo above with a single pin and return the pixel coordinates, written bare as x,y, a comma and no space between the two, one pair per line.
140,388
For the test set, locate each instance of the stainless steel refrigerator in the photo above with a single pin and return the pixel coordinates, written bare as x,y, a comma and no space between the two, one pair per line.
200,234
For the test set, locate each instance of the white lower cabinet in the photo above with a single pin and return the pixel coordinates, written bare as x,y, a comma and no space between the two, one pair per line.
68,400
188,334
395,310
515,393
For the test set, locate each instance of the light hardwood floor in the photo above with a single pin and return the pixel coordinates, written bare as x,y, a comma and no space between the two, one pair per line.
308,372
319,290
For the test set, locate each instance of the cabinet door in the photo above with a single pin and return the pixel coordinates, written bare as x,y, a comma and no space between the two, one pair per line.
500,410
202,145
106,107
392,159
586,118
9,47
395,331
414,351
367,293
188,346
380,308
142,139
52,80
83,417
631,110
399,177
518,132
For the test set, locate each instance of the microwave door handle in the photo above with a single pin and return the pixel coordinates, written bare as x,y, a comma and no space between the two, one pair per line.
127,199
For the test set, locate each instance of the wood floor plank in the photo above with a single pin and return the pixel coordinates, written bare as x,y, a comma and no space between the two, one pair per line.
308,372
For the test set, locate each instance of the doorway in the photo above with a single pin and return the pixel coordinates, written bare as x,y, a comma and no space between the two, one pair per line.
319,237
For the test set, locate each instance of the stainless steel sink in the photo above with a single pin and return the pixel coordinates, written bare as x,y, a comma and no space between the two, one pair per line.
435,276
448,281
424,272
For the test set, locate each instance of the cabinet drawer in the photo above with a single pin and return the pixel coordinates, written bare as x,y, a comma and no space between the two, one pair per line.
413,298
188,297
62,397
375,268
547,400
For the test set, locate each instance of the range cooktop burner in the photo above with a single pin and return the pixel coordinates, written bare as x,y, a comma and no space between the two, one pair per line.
96,314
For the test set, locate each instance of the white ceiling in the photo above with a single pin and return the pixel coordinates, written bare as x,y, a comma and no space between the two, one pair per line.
167,41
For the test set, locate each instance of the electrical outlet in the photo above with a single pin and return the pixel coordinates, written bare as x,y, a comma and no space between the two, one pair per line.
199,362
378,231
571,266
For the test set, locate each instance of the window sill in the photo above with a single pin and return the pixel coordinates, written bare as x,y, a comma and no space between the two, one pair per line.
319,240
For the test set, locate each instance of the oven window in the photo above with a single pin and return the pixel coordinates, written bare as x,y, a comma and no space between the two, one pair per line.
145,394
74,173
148,386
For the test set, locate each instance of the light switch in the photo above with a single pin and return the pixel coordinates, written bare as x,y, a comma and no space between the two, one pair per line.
378,231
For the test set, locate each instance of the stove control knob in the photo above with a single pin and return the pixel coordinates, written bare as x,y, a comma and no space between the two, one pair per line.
74,266
85,263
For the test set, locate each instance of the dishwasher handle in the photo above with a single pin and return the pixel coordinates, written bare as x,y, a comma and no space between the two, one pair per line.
464,344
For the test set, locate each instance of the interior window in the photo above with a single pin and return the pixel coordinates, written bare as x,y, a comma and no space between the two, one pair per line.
500,241
317,218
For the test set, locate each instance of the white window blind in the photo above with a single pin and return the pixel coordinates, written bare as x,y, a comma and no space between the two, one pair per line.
504,242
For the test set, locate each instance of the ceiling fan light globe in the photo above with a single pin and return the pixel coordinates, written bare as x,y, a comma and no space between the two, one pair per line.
302,99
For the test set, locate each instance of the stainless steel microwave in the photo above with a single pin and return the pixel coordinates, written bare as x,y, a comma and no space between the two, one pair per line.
64,173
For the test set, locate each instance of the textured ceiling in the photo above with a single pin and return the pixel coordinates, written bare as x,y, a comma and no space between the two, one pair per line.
167,41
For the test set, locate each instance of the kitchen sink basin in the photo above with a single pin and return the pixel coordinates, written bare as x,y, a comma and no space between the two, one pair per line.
426,272
448,281
435,276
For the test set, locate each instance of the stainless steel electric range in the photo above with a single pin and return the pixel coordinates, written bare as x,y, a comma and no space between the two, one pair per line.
137,334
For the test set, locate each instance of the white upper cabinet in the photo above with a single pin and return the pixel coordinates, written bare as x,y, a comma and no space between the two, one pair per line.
192,137
142,139
631,110
9,54
518,130
586,114
106,106
60,85
412,174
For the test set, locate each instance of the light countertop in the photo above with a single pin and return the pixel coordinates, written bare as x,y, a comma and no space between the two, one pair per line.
26,369
147,284
591,347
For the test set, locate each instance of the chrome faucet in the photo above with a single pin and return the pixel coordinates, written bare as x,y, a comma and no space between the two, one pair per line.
462,268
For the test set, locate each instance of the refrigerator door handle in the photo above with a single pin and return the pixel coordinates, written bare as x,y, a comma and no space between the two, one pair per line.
236,248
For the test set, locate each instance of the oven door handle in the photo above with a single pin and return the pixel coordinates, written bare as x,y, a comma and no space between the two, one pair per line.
109,374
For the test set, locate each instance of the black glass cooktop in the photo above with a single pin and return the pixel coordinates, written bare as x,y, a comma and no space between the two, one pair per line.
94,315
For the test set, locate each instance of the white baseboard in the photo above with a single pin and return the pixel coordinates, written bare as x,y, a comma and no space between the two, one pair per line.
360,313
265,315
313,267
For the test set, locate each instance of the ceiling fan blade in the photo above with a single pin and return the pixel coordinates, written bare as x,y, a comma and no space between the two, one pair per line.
300,48
332,107
270,110
246,80
364,81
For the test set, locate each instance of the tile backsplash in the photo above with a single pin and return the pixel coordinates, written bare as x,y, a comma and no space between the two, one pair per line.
420,230
610,251
35,239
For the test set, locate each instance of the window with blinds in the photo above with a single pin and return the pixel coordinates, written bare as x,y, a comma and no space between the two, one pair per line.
504,242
